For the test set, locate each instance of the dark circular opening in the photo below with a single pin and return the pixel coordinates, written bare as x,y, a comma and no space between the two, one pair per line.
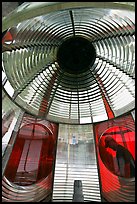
76,55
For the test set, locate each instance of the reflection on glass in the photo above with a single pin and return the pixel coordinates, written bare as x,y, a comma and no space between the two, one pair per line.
33,154
6,121
76,160
10,114
76,145
117,152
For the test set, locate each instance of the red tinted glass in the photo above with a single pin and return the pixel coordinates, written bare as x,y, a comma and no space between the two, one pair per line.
32,157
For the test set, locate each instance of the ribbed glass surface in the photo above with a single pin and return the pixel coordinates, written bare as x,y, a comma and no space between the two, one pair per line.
76,160
103,91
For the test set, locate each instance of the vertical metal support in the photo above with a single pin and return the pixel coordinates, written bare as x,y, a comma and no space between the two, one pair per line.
72,21
133,115
9,148
68,152
4,81
54,163
100,184
78,191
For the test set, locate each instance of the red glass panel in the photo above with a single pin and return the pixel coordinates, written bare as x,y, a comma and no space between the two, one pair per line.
114,186
33,156
118,155
14,160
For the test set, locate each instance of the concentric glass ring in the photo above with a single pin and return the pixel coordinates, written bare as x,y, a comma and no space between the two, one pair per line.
103,91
